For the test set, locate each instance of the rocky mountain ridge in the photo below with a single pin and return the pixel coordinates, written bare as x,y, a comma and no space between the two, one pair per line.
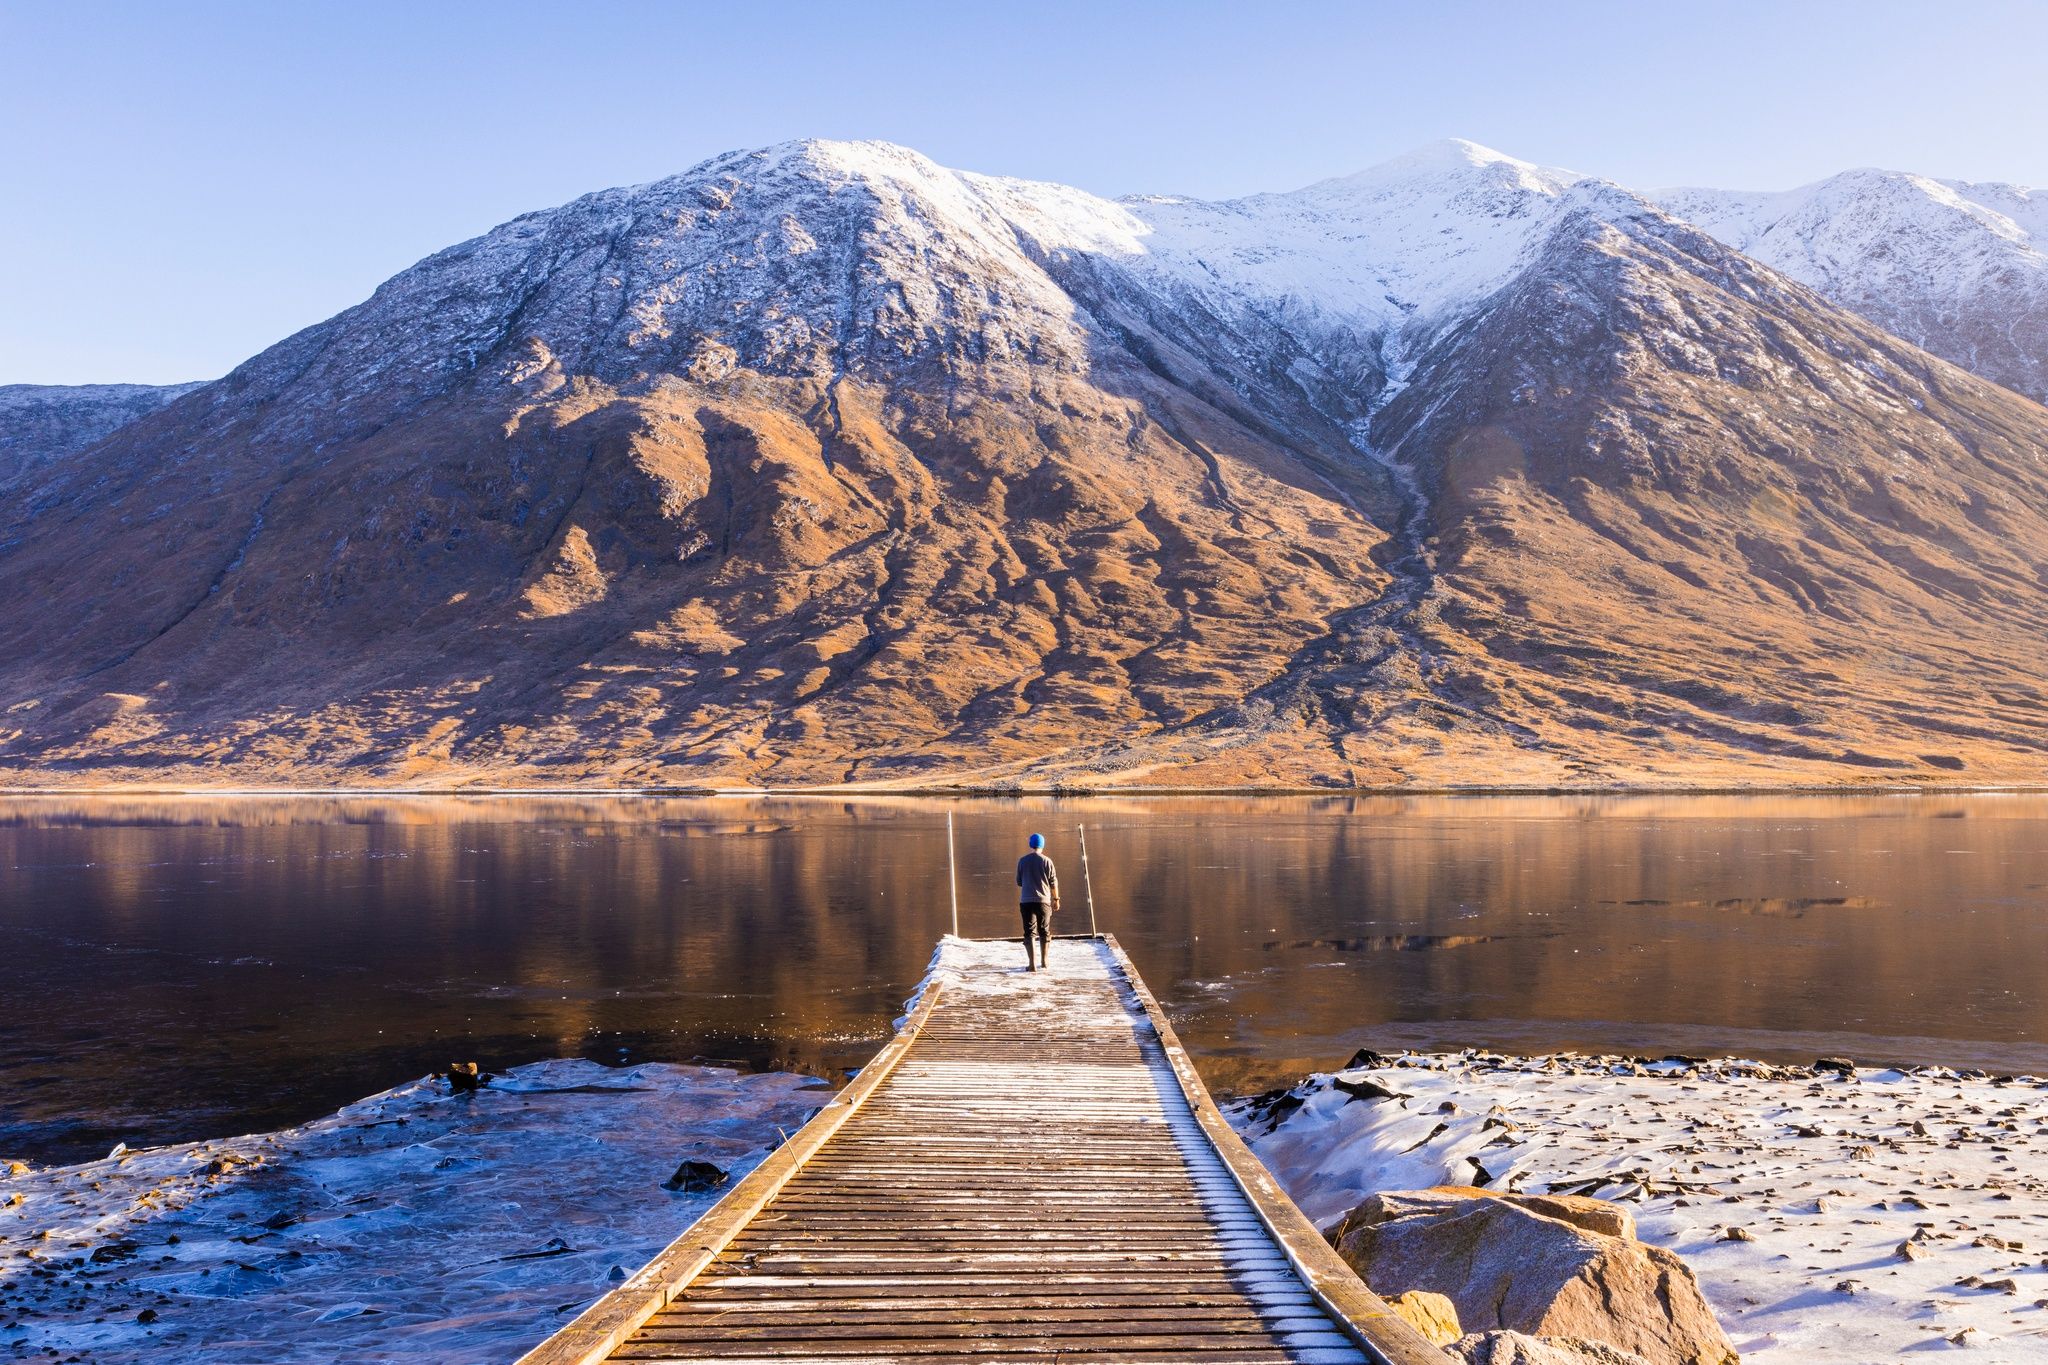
43,423
824,464
1960,269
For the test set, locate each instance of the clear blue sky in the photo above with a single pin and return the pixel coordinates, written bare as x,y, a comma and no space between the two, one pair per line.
184,184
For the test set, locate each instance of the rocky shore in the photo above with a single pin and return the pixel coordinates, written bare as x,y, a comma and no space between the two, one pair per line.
454,1223
1833,1214
1829,1215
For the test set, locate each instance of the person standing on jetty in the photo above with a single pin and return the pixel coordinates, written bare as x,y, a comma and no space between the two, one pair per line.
1038,896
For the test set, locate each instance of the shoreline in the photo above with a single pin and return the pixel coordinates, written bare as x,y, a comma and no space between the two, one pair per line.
416,1223
1832,1216
1826,1174
1053,792
1792,1191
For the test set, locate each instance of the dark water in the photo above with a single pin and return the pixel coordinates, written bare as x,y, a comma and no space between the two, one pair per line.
179,968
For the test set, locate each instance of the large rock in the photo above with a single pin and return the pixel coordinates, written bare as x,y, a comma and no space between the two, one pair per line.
1433,1315
1513,1348
1594,1215
696,1177
1545,1265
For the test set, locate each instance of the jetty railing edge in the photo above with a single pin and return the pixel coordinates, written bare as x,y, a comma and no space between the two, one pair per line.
1365,1316
604,1326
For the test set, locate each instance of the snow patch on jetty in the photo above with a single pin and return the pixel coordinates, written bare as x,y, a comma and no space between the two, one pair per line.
413,1225
1833,1217
996,968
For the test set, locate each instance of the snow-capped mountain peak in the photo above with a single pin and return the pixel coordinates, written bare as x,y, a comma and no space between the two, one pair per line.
1413,238
1455,157
778,258
1405,243
777,251
824,462
1958,268
1862,204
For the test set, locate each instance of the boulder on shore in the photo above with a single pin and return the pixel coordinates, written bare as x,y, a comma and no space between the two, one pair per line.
465,1077
1542,1265
1513,1348
695,1177
1433,1315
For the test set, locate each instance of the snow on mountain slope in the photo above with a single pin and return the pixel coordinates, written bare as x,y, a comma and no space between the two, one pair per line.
1412,238
791,246
40,423
820,257
1647,457
2025,206
1959,269
804,448
768,259
825,463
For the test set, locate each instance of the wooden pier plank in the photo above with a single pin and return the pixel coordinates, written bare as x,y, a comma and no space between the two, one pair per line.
1030,1171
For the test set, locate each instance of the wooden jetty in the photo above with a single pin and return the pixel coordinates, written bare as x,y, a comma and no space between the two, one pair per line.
1030,1171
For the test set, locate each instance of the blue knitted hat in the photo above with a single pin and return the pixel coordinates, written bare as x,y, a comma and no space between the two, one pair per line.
1038,841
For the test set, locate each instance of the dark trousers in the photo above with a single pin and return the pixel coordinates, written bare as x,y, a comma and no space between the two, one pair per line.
1037,921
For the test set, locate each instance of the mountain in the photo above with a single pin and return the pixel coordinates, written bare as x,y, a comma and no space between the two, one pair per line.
1683,514
40,423
1957,268
825,464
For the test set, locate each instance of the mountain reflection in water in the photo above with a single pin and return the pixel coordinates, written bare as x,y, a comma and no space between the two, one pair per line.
182,967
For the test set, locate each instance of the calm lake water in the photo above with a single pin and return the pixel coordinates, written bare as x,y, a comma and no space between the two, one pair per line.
180,968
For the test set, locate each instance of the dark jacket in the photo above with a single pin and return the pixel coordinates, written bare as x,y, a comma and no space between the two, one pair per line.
1037,882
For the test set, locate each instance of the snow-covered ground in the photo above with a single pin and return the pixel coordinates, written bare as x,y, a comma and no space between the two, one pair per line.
414,1225
1831,1218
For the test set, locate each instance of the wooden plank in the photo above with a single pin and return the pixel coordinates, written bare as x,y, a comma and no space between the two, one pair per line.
834,1211
1364,1315
1043,1345
1099,1262
603,1326
663,1332
1056,1300
1119,1355
1081,1209
930,1286
1194,1292
844,1240
1088,1309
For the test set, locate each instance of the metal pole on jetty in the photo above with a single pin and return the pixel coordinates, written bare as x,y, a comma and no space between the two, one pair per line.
1087,885
952,879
